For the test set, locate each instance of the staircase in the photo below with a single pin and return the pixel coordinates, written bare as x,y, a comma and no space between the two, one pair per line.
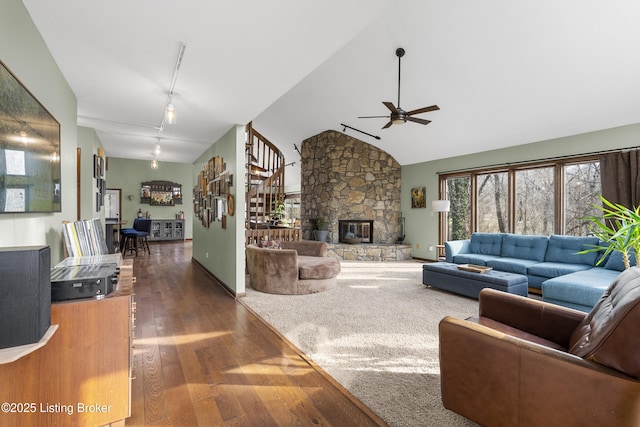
264,186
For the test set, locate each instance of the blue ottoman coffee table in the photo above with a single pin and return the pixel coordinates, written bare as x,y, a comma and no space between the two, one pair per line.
448,276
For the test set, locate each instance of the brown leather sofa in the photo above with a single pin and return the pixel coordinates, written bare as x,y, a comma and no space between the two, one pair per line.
297,267
523,362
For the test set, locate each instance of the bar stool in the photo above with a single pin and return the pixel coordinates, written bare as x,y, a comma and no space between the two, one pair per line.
144,230
137,236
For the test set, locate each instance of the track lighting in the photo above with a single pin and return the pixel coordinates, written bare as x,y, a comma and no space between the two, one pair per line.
170,110
345,127
170,115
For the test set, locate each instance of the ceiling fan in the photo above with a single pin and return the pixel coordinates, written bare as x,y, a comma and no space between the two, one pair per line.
398,116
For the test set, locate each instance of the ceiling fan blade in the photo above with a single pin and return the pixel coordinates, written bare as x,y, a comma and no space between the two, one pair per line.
416,120
424,110
373,117
387,125
390,106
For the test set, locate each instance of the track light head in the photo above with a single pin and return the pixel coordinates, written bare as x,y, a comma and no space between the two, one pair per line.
170,117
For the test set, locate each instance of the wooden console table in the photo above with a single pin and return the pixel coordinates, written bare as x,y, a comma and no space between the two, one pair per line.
82,376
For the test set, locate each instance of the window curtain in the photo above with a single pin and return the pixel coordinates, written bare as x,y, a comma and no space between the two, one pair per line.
620,177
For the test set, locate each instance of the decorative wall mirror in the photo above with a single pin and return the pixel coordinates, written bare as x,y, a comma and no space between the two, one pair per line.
29,151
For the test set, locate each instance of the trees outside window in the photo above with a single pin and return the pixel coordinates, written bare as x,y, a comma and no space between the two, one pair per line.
581,190
459,216
534,201
493,202
541,199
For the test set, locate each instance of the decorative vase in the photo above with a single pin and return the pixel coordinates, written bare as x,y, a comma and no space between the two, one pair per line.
321,235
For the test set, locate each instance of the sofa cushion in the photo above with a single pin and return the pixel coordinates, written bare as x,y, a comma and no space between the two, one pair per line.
511,265
270,244
477,259
311,267
555,269
609,333
566,248
521,246
486,243
615,261
306,247
583,288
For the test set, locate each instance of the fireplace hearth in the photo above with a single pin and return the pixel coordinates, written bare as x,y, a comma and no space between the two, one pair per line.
355,231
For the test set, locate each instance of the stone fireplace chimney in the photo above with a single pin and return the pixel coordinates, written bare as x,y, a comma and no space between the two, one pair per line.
344,178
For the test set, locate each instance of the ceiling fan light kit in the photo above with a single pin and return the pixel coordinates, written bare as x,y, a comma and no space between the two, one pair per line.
399,116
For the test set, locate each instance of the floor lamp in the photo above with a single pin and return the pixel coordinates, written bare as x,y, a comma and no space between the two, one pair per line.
440,206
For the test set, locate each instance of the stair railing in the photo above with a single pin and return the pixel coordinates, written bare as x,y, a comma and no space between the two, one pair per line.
265,167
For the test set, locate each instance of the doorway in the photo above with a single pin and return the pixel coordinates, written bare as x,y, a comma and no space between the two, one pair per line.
112,203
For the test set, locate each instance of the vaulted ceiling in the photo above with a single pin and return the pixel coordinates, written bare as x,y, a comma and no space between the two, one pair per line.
502,72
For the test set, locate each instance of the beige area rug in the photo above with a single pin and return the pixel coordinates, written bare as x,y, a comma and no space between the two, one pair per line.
376,333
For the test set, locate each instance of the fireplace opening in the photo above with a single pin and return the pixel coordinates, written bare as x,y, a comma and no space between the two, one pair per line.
355,231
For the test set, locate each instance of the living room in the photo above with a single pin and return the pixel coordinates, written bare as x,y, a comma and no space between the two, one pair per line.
221,251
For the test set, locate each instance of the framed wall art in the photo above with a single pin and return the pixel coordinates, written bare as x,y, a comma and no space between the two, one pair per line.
418,197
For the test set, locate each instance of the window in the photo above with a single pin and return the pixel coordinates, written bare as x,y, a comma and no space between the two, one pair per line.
534,201
292,207
493,202
539,198
458,192
581,190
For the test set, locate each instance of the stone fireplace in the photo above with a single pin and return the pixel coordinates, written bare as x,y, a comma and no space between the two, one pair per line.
355,231
344,178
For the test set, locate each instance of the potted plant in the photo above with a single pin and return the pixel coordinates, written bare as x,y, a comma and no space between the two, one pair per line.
320,232
278,211
618,228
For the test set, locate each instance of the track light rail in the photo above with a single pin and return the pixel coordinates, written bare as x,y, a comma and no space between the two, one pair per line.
358,130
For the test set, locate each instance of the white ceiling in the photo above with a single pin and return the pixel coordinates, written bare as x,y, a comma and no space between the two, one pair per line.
503,72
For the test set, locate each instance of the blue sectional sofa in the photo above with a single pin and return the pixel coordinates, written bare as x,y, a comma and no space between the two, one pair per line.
552,264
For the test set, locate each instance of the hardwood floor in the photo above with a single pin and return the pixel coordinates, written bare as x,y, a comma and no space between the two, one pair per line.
202,358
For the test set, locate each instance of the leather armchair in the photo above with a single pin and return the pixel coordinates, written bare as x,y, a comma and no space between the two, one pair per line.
524,362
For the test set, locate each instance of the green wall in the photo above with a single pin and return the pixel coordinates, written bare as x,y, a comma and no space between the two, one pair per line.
89,144
127,175
221,251
422,227
24,52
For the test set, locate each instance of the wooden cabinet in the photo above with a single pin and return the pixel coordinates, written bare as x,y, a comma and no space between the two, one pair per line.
167,229
82,376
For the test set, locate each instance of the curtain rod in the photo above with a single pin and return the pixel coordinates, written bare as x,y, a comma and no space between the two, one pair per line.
524,162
